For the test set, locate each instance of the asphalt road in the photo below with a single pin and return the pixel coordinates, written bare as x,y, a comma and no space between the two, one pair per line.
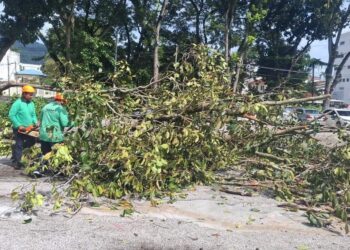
205,219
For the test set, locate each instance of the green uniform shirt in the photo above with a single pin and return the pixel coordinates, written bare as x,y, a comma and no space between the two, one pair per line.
54,118
22,113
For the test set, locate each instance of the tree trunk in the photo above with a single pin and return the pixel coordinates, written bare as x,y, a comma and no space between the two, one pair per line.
127,31
198,35
205,29
5,45
157,41
68,19
238,72
198,13
329,70
228,23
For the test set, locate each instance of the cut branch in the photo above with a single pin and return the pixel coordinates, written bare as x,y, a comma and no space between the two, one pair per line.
10,85
289,130
294,101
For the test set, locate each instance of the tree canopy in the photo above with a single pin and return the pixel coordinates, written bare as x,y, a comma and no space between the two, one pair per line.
150,35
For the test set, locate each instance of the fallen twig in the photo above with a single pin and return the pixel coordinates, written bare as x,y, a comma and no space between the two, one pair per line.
270,156
304,208
236,192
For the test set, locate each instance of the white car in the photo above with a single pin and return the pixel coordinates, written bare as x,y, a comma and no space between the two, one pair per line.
337,117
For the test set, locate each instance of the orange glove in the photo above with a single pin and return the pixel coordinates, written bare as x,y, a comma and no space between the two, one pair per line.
26,130
30,128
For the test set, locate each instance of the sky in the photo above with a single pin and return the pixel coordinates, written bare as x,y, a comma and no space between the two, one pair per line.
319,50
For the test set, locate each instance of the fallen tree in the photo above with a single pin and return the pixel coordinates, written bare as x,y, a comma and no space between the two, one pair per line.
160,140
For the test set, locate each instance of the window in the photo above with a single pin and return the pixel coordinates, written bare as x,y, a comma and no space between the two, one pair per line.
347,79
342,42
343,79
341,88
343,113
348,66
340,56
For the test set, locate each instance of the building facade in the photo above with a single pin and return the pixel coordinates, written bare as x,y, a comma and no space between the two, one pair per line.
9,65
342,90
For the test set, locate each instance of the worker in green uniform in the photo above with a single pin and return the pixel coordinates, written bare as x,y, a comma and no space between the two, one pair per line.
54,118
23,117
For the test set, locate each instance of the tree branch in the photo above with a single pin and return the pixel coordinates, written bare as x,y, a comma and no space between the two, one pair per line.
9,85
294,101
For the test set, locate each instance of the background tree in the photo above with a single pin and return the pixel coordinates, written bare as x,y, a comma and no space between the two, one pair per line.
20,20
160,18
285,37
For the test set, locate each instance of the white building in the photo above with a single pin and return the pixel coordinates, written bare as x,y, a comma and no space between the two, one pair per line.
25,66
342,90
9,65
12,70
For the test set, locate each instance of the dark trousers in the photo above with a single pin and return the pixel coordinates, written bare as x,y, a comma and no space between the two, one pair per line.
46,147
22,141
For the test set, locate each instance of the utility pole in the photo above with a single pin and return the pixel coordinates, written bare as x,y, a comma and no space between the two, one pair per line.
8,69
16,72
313,79
176,52
116,41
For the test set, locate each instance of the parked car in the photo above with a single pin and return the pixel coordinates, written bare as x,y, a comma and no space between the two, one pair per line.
337,117
304,114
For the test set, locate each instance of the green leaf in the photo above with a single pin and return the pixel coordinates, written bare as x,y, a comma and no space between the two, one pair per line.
127,212
26,221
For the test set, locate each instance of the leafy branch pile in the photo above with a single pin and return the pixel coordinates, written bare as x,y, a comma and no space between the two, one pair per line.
159,138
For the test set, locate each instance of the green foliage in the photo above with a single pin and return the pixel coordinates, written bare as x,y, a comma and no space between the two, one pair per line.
31,199
20,20
5,129
159,151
